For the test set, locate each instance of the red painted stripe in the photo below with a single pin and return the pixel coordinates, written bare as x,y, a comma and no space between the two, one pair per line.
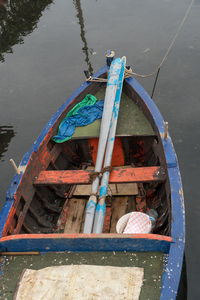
118,175
86,236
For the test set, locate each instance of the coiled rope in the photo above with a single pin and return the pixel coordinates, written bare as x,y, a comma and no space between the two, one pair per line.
129,72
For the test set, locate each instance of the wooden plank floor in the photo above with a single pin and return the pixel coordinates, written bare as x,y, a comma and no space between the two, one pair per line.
75,215
124,189
115,209
119,206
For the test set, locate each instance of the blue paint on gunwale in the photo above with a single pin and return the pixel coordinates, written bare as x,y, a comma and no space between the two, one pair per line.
170,280
86,244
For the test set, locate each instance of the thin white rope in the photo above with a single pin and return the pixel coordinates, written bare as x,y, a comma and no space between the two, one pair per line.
129,72
170,46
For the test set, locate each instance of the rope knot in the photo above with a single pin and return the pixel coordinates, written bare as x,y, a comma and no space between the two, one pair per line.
94,175
106,169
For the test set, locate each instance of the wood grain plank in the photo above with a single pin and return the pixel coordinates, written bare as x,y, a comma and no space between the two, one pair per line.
106,225
118,175
74,215
119,206
131,204
122,189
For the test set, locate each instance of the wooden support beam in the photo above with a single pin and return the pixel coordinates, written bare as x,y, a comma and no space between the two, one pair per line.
118,175
122,189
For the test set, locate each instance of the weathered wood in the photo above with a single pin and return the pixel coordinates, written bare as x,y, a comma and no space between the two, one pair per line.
118,175
19,253
131,204
123,189
119,206
82,223
26,188
74,215
106,225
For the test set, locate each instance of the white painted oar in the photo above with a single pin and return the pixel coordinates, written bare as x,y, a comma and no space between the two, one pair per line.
112,84
101,207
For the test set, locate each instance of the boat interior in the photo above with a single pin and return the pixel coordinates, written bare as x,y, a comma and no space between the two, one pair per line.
56,184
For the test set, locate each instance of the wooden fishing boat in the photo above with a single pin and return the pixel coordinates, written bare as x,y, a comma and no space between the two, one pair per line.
46,202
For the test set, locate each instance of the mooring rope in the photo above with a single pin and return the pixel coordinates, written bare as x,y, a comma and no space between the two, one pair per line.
97,79
170,46
129,72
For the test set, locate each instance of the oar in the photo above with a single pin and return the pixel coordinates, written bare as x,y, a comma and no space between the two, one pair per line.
101,207
111,89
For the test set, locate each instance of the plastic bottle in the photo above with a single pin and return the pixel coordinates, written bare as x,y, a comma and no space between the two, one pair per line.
153,215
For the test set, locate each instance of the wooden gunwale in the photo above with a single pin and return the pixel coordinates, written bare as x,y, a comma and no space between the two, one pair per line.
85,242
172,272
87,236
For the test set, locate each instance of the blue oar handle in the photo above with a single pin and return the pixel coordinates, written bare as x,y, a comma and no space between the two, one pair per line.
89,214
99,216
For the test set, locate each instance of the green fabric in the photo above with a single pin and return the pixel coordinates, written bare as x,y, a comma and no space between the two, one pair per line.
89,100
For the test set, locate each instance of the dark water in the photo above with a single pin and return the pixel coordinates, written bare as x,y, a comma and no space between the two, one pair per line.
45,46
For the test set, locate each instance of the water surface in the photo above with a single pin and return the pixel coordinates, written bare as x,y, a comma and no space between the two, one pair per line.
46,45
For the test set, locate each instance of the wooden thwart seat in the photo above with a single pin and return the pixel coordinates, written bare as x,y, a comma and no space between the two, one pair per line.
118,175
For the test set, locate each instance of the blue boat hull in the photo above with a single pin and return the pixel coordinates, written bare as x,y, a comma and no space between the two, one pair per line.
172,246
